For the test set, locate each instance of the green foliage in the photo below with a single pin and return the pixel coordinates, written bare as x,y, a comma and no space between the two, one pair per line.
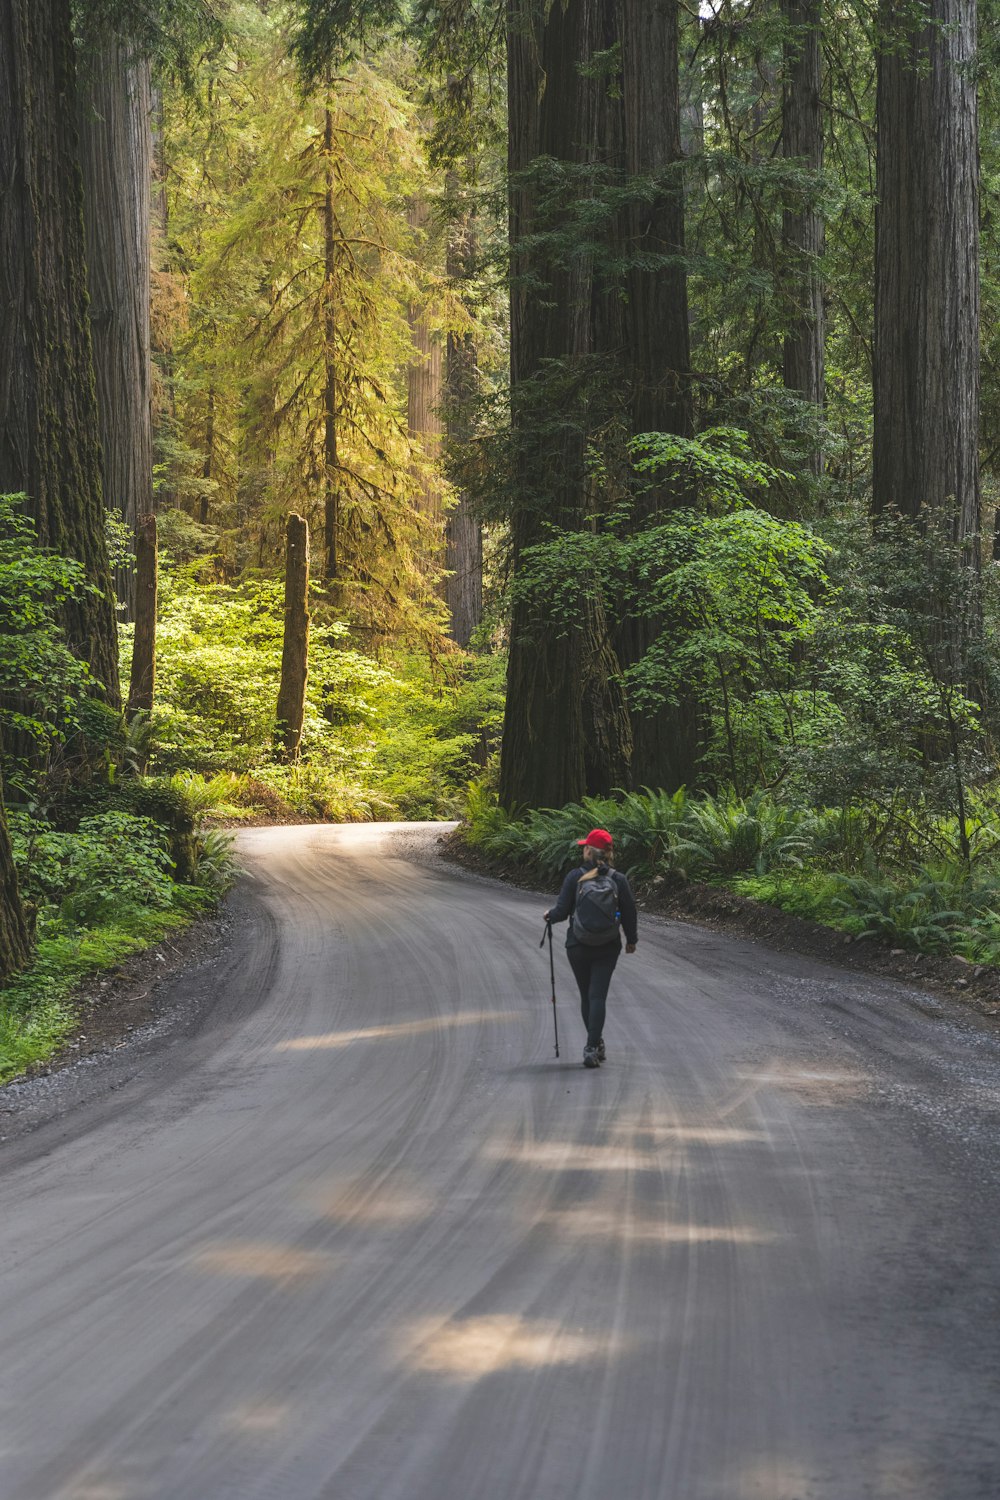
917,917
114,862
218,670
294,263
171,32
98,893
718,465
214,867
329,32
725,835
814,863
401,735
436,725
37,1010
44,689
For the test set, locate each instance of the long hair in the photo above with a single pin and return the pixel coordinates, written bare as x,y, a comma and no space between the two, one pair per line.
591,857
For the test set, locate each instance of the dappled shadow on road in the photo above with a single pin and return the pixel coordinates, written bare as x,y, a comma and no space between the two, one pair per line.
395,1031
811,1084
592,1223
574,1156
271,1262
471,1348
357,1202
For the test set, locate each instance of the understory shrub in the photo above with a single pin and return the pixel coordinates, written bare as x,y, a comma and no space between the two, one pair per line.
814,863
395,735
99,890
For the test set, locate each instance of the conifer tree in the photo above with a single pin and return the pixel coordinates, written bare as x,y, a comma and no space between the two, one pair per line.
927,263
116,148
566,729
299,269
49,444
802,224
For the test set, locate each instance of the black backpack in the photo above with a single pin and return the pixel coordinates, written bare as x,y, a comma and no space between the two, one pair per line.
596,917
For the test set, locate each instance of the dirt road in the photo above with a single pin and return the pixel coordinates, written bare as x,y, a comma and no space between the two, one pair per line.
361,1237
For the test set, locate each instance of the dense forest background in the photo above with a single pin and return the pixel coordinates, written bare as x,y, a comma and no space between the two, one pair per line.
455,408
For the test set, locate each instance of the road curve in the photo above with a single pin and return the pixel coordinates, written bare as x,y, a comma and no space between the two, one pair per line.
366,1239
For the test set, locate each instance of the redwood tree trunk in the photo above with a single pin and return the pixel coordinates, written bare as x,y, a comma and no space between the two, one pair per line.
49,442
927,265
143,678
463,589
657,355
566,731
295,648
116,148
802,225
425,387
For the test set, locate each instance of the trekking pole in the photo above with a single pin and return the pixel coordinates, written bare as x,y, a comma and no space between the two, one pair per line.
552,970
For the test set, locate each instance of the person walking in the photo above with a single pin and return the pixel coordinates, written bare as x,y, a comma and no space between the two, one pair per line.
599,903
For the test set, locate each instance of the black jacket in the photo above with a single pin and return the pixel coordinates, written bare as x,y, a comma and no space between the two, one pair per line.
566,903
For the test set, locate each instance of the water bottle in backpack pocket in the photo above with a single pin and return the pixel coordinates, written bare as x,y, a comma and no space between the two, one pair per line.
596,916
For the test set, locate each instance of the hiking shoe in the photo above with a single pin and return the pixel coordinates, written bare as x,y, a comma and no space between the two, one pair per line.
591,1057
602,1056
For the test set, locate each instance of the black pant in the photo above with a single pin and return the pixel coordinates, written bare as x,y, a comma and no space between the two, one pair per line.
593,968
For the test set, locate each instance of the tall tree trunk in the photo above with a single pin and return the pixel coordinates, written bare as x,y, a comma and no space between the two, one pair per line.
425,385
49,443
657,355
802,226
927,265
463,589
209,462
14,941
143,677
658,348
565,727
331,500
295,647
116,149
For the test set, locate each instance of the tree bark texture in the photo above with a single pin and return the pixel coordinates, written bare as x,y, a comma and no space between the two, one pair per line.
49,443
14,940
658,353
463,588
295,647
143,678
425,386
657,357
116,150
566,728
803,231
926,376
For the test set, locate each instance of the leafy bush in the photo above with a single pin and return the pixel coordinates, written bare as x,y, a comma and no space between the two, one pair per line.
218,671
215,866
724,835
380,738
115,862
44,689
773,852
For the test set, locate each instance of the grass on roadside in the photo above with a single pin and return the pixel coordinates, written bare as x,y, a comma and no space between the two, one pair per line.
101,891
37,1009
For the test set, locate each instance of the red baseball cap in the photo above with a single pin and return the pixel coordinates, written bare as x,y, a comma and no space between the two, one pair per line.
597,838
